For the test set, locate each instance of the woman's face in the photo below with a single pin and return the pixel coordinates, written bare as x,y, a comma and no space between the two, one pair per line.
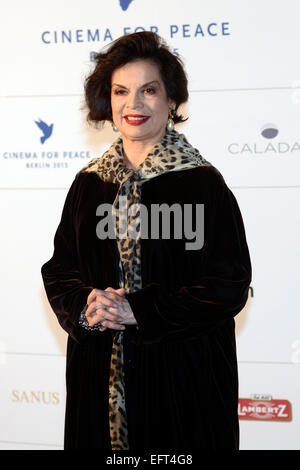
139,101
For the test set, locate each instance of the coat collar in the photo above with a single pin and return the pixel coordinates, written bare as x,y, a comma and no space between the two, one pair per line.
172,153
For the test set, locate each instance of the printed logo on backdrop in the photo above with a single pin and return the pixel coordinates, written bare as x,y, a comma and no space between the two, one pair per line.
124,4
207,29
104,34
268,142
32,397
46,130
43,155
263,407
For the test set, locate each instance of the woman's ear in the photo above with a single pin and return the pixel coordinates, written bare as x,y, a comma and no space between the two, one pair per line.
172,104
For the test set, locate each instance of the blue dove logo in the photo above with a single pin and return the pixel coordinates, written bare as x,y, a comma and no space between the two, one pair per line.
46,130
125,4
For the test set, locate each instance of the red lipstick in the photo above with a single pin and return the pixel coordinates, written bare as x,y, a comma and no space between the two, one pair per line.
136,119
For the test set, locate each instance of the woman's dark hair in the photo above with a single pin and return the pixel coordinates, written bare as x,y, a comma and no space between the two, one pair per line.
142,45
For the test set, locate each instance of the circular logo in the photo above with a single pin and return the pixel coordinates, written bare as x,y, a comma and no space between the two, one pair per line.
269,131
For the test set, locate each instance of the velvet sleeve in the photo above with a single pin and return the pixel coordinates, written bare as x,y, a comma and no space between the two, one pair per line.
66,292
222,279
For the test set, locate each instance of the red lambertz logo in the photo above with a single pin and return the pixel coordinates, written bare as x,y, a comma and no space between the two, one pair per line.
263,407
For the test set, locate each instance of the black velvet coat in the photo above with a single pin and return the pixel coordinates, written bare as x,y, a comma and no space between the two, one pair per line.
180,366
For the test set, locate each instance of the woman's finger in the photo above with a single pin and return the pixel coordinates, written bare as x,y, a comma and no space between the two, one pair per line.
120,291
105,300
113,325
106,319
115,295
107,314
97,292
93,320
92,296
92,307
95,313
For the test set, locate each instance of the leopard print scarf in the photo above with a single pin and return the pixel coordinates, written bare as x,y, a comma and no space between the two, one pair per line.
173,153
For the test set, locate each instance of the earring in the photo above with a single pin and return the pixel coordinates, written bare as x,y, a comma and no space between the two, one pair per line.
115,129
170,123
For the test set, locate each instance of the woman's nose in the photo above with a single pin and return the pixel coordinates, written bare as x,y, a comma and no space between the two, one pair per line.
134,101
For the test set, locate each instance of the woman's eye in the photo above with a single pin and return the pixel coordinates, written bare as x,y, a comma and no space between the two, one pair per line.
150,90
119,92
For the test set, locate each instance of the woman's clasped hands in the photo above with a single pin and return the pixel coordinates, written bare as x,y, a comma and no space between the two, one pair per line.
110,307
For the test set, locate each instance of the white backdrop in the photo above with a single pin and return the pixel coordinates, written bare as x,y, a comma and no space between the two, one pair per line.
244,82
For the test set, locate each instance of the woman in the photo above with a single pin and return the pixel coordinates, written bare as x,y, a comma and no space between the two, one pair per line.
151,359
